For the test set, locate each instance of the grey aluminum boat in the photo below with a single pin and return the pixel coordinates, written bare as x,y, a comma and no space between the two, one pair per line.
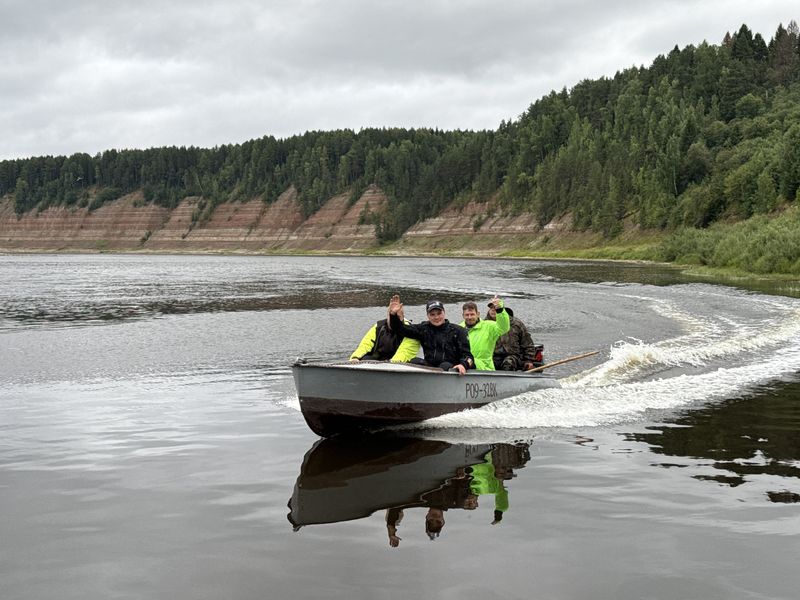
341,397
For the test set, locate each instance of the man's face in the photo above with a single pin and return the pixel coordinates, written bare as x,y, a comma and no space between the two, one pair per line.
436,316
470,316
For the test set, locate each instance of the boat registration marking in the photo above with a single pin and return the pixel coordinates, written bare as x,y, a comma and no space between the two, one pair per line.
485,390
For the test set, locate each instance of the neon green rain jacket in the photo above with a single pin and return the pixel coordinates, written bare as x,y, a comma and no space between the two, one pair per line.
484,482
482,338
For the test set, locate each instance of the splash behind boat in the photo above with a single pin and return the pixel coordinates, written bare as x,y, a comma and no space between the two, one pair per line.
341,397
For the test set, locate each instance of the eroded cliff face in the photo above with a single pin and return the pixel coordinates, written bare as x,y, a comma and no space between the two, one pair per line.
129,224
480,228
120,225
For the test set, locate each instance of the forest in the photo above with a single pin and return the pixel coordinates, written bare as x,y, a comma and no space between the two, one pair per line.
706,136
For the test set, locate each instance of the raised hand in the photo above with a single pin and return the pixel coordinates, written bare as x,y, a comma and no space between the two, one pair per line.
395,306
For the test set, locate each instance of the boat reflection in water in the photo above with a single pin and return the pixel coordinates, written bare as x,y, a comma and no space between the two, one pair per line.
346,478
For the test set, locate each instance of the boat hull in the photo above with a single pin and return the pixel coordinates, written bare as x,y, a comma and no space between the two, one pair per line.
336,398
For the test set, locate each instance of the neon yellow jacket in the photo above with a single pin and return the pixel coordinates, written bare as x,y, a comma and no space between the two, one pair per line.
405,352
482,338
484,482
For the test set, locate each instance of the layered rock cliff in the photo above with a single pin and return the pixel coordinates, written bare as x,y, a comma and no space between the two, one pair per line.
130,224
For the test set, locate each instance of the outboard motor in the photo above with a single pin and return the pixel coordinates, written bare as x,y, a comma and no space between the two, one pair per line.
538,355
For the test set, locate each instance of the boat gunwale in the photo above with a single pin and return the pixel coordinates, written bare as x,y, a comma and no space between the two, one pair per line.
414,369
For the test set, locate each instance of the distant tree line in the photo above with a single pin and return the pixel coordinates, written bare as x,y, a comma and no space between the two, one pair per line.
704,133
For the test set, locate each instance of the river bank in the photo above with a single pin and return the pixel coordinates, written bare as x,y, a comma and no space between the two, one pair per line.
766,248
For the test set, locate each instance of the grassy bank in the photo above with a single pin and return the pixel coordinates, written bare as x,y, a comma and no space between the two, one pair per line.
762,247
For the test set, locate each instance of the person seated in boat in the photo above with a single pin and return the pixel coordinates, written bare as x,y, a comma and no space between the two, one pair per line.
444,344
514,350
382,343
483,334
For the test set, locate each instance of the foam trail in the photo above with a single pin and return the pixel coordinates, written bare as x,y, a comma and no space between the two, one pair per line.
705,341
597,406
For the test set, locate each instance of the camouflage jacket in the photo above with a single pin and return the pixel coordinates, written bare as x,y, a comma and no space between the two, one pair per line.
517,342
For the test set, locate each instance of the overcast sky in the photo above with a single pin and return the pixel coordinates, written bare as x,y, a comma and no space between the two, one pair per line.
87,76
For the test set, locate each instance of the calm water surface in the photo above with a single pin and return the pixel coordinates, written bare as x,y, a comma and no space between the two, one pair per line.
151,444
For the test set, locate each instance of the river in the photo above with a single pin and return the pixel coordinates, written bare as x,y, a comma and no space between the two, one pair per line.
151,443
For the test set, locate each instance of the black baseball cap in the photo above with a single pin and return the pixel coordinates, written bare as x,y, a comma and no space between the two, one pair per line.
433,305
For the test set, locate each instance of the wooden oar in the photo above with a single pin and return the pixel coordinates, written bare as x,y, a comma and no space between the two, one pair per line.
561,362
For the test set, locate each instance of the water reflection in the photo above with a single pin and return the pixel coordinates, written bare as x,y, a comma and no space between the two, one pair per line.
653,274
66,309
347,478
603,272
742,440
96,306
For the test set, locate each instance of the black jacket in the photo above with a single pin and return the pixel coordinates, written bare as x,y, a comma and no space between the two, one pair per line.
446,343
386,342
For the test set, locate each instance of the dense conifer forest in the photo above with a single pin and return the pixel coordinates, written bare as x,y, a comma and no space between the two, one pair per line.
706,134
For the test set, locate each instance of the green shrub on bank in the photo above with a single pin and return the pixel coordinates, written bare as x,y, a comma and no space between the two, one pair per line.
106,195
758,245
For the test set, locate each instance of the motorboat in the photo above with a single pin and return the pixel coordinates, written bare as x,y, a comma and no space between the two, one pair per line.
339,397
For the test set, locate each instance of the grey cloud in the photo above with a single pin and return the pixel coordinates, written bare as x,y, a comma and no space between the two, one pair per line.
86,76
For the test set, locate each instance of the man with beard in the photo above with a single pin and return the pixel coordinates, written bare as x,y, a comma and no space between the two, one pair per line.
483,335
